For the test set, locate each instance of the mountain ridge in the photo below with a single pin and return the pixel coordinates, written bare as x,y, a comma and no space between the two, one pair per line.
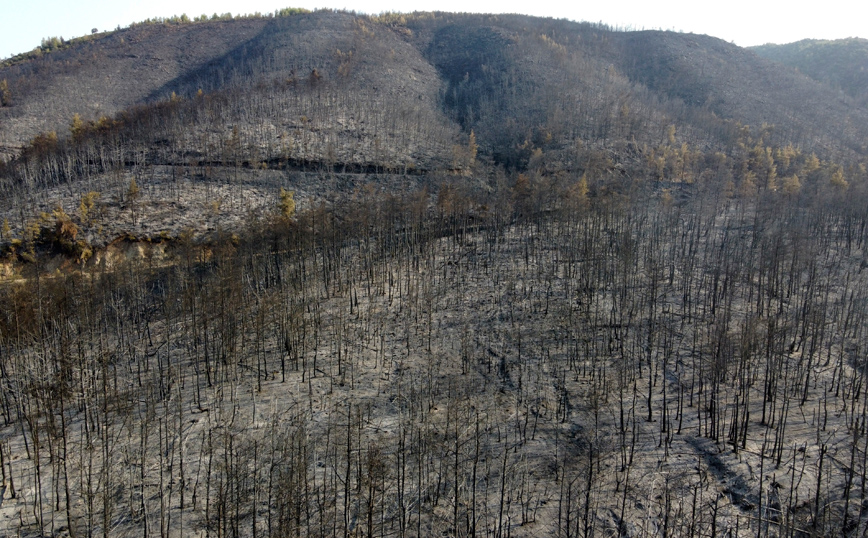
697,73
840,63
433,95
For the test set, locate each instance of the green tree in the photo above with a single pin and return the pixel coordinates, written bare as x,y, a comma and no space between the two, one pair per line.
5,94
290,11
837,180
577,193
812,163
76,127
133,191
792,185
464,157
287,203
85,207
51,43
64,228
748,186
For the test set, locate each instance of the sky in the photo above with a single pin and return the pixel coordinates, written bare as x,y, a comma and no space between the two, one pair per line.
24,23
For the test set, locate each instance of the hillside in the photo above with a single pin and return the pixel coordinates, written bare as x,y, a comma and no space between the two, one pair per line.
324,274
331,91
289,62
842,64
541,74
93,79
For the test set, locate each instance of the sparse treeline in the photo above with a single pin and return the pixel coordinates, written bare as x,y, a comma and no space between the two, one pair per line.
377,135
544,358
55,43
184,19
104,156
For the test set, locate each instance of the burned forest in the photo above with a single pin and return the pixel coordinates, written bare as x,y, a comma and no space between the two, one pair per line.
327,274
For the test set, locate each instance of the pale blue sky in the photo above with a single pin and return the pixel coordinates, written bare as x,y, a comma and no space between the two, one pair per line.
23,23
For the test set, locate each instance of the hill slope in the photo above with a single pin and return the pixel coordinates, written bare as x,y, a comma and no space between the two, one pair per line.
344,77
842,64
429,275
427,94
572,80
